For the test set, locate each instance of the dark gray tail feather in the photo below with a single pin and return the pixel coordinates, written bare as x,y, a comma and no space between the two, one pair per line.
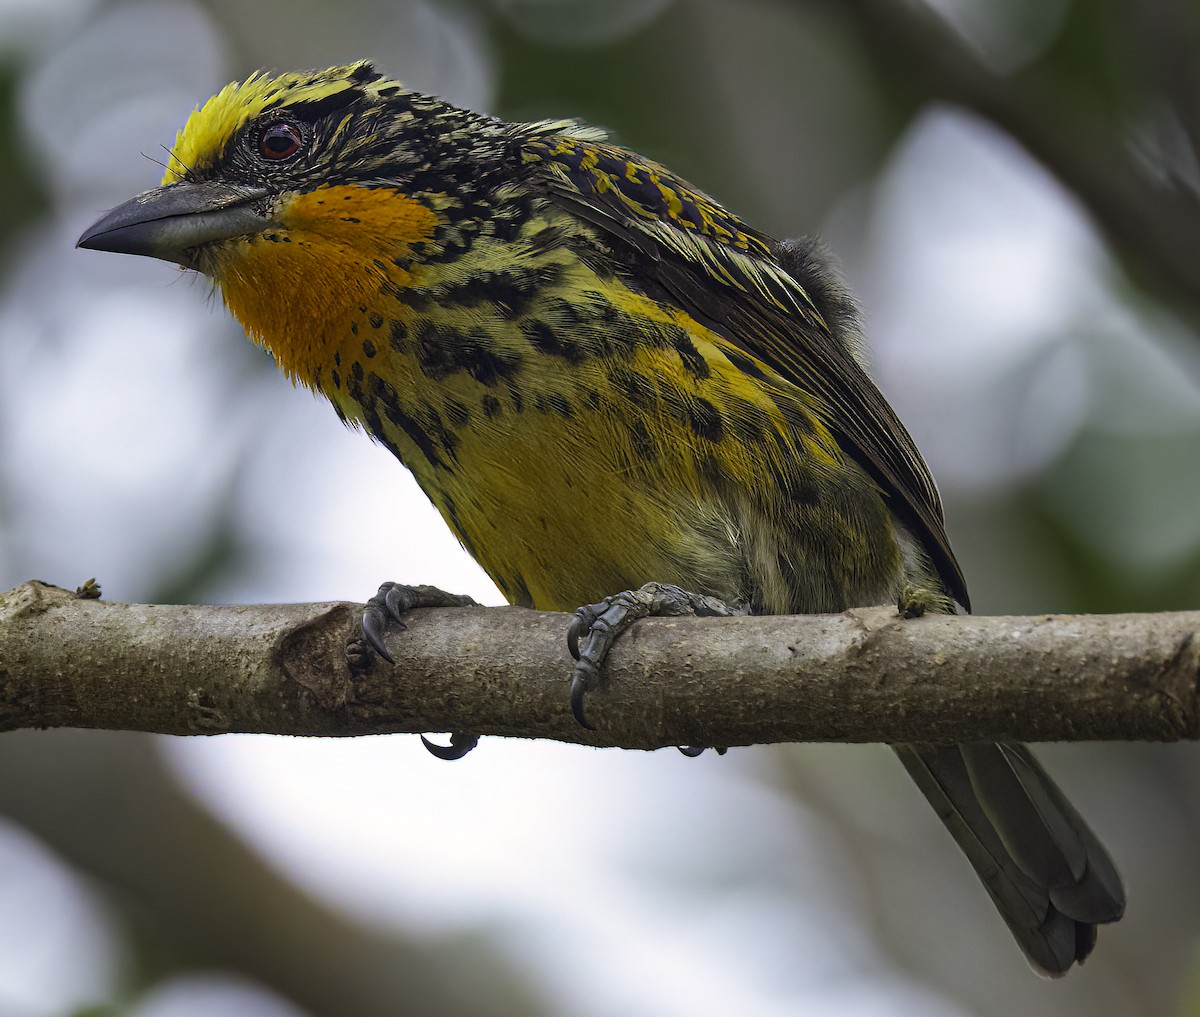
1047,873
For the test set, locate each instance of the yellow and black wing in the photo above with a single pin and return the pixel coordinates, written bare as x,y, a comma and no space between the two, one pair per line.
687,250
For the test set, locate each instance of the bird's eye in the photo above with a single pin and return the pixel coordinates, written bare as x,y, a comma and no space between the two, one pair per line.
279,141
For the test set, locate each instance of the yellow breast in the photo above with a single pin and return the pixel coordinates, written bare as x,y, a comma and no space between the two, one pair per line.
577,437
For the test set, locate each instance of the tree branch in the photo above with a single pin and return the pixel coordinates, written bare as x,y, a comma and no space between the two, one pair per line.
862,676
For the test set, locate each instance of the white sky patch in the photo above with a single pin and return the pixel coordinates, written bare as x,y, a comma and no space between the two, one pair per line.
55,955
139,93
983,268
209,995
120,463
632,883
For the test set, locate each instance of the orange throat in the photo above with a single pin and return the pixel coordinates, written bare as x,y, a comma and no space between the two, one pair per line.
301,289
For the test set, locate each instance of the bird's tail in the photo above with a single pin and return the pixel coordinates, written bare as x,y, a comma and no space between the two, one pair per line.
1049,875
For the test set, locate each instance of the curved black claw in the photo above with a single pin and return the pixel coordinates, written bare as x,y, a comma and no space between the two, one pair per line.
596,626
387,608
460,744
374,624
392,602
573,633
579,687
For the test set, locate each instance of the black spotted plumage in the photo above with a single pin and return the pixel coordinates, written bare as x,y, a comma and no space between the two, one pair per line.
608,384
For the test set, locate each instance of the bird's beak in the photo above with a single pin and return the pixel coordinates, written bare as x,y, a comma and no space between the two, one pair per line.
170,221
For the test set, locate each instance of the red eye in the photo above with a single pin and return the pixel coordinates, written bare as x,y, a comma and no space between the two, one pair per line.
280,140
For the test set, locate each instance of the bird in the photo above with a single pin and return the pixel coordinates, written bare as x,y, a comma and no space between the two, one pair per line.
623,399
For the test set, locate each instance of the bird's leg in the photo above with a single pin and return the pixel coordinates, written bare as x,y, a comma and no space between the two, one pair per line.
596,627
388,607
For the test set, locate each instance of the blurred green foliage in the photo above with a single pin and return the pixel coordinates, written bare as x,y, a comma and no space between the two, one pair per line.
23,197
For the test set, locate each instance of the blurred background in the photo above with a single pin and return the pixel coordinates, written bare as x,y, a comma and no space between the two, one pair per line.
1013,188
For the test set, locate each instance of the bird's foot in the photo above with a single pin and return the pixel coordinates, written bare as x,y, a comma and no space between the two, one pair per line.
596,627
387,609
393,602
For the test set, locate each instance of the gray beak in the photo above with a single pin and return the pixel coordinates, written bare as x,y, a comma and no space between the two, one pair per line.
167,222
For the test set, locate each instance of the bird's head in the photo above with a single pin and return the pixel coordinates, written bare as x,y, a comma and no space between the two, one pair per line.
247,164
304,195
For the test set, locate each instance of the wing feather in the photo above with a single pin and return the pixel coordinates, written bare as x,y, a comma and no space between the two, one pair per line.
691,252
